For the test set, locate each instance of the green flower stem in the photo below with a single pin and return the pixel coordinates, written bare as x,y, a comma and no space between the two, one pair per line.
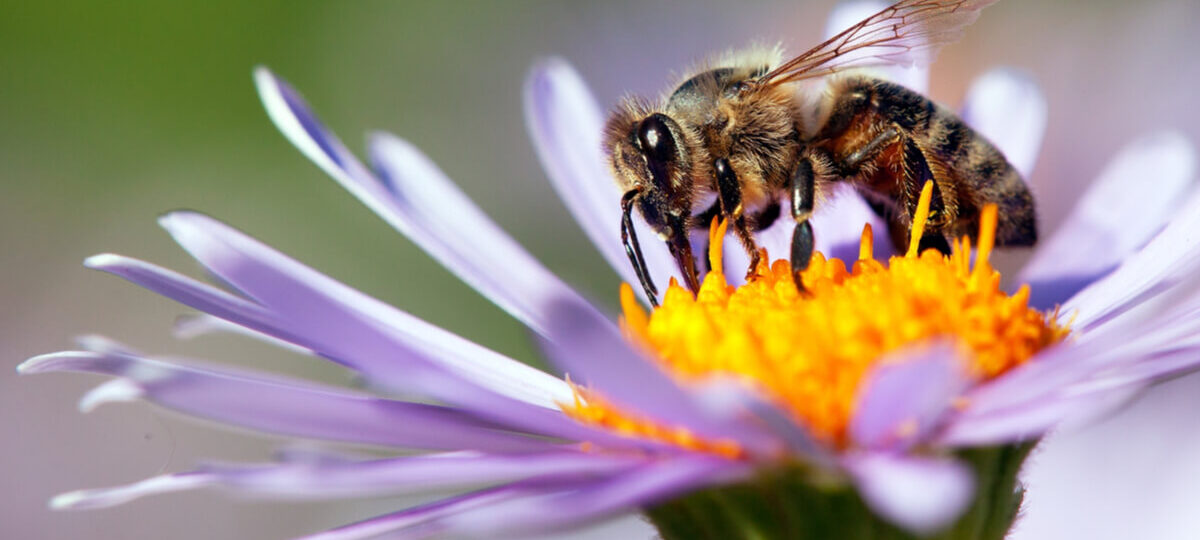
793,503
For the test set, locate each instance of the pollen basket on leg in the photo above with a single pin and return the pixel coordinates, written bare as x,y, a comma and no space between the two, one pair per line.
810,352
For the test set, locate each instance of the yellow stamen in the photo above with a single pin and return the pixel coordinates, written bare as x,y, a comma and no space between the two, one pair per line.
866,246
809,353
919,218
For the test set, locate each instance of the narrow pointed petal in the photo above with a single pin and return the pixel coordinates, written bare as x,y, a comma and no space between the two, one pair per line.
419,201
357,479
1072,385
641,487
456,232
376,332
566,123
416,522
1008,108
1033,419
592,352
281,406
907,397
1171,259
413,358
1141,189
203,324
188,291
922,495
848,13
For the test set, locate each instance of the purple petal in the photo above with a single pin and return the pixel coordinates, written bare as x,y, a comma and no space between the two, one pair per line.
591,350
730,399
355,479
907,397
641,487
1139,288
202,324
1115,218
838,225
1073,383
280,405
456,232
922,495
566,124
414,363
288,110
1032,420
418,200
376,332
847,14
1008,108
409,519
190,292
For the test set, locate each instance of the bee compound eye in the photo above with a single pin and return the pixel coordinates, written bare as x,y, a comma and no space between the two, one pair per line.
658,143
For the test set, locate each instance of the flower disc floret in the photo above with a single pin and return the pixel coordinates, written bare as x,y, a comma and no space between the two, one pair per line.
811,351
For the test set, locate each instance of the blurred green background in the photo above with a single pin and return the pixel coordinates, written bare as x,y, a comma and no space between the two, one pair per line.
111,113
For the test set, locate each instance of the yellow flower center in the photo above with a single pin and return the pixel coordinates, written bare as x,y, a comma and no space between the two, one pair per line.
810,352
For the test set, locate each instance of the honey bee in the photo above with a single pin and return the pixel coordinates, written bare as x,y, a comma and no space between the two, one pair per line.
742,132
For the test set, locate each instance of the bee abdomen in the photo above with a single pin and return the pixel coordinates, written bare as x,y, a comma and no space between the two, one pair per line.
983,176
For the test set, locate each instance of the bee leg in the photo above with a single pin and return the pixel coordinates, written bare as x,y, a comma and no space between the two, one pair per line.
729,195
702,221
803,188
917,168
849,165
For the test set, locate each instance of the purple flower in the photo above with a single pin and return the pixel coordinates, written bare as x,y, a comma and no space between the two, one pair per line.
1124,266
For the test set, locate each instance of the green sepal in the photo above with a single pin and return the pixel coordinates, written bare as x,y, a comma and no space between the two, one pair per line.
797,502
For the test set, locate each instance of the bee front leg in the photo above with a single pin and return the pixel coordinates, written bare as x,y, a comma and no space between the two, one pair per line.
729,195
803,191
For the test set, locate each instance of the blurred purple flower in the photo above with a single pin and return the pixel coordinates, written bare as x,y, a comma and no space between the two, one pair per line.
1125,265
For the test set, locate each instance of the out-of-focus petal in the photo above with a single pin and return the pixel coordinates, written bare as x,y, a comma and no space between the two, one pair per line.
1008,108
566,124
732,399
1132,474
373,478
919,494
420,202
1139,191
838,224
637,488
1032,419
202,324
416,518
282,406
591,350
847,14
1168,264
1073,384
907,396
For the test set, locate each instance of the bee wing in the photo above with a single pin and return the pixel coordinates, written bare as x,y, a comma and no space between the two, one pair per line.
906,33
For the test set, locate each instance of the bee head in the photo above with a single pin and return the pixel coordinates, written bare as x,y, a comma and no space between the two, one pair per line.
649,155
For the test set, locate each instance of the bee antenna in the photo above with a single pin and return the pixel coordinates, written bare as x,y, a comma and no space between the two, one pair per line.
633,249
